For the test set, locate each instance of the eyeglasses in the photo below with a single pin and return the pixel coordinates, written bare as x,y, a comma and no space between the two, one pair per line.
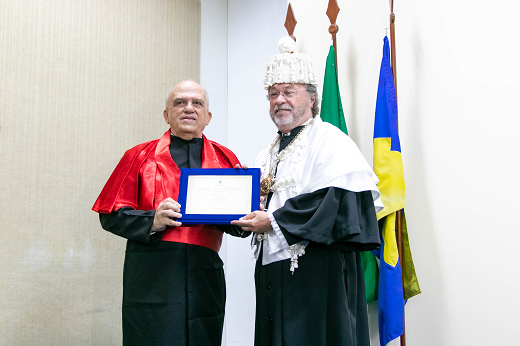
287,94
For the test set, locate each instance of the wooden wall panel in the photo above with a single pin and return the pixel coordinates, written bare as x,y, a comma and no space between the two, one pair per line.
82,81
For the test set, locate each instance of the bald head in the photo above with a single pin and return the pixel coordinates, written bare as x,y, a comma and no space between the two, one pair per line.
188,80
187,110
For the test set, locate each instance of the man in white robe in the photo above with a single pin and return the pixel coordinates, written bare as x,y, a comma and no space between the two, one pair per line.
320,211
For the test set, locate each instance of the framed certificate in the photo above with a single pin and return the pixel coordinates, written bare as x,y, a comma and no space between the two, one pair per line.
218,195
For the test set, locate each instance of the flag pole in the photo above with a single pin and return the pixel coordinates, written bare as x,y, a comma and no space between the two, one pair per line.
392,45
332,13
399,216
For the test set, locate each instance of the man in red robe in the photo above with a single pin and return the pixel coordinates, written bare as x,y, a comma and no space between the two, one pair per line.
173,280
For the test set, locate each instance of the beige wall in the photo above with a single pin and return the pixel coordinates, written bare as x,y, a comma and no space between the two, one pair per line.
82,81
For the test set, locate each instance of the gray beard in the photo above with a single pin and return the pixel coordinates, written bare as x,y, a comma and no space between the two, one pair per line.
292,118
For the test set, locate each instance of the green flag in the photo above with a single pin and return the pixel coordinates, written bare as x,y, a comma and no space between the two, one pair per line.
371,271
331,110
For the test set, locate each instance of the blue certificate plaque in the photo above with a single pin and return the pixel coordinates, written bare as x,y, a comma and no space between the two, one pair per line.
218,195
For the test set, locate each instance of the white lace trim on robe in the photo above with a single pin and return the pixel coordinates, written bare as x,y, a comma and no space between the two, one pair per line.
275,247
311,166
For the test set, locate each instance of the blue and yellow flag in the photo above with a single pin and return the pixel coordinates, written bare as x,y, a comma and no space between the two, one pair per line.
388,166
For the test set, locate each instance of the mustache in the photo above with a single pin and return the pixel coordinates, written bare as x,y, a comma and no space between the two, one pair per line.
283,106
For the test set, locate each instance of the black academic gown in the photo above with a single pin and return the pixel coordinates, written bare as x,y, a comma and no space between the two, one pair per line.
173,293
323,303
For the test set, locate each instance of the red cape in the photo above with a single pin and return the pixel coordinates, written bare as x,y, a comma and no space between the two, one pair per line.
147,175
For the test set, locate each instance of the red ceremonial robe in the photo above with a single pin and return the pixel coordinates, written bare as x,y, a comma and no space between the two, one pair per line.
147,175
173,291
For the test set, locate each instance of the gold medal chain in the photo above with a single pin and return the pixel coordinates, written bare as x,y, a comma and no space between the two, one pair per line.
274,159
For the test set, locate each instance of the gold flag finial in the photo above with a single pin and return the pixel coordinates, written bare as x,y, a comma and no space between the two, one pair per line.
290,22
332,13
